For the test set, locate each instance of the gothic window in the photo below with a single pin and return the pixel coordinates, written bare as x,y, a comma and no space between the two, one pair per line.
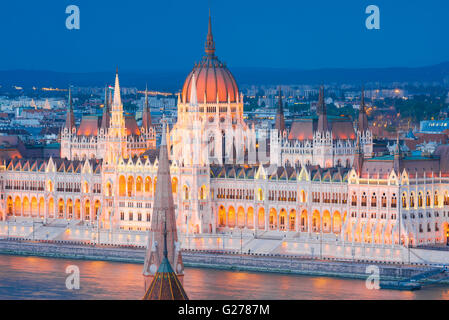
393,201
374,200
404,200
354,199
364,199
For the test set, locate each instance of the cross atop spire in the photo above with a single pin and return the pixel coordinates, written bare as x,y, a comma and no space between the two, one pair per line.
210,44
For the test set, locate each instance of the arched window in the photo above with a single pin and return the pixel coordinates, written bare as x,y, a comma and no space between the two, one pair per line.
354,199
186,193
202,194
394,201
122,186
374,200
139,185
384,200
435,199
412,200
404,200
260,194
428,199
130,186
420,200
364,199
148,185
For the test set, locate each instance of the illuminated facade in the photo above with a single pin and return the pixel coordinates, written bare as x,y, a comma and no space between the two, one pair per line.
323,178
112,135
321,140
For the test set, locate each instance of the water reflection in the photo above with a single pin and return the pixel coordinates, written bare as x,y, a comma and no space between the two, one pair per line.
43,278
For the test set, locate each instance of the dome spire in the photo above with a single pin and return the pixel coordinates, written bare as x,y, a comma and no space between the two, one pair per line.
210,44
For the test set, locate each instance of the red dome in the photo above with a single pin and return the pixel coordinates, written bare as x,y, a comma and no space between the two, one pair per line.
213,80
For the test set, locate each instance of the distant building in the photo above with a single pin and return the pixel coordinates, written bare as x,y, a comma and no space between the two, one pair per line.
434,126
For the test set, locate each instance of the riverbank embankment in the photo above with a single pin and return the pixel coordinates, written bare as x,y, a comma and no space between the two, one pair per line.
357,269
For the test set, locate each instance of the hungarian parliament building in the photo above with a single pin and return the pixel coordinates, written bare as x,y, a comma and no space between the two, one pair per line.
317,176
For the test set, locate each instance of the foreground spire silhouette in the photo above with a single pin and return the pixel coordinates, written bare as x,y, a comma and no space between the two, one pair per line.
165,284
163,221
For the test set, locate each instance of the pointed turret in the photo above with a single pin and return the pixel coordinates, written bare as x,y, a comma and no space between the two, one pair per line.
280,120
322,112
70,117
165,284
210,44
146,114
117,102
358,158
397,163
105,120
163,213
363,119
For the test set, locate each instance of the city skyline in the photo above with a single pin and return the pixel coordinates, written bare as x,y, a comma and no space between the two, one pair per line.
306,36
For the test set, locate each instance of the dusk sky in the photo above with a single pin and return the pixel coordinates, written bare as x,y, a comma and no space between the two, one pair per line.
170,34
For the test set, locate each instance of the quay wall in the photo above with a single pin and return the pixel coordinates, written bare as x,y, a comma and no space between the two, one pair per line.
217,260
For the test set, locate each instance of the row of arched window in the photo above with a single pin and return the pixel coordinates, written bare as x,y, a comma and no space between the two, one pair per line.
373,200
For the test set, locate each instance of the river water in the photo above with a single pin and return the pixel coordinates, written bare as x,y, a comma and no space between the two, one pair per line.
45,278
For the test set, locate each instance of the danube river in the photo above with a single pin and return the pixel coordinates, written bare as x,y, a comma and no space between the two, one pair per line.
45,278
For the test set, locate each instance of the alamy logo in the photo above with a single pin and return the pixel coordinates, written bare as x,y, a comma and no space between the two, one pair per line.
73,20
372,282
72,282
373,20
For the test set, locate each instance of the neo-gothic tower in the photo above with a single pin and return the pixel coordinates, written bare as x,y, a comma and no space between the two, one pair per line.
322,138
117,129
366,136
110,136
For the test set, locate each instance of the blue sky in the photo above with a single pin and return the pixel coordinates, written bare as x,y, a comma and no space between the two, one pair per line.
170,34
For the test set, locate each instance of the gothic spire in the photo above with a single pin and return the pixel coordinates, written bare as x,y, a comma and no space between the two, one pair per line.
70,117
280,120
210,44
117,98
322,112
363,119
163,220
358,159
146,114
397,163
105,120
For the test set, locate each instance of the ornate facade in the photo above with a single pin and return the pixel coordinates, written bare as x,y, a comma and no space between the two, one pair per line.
321,140
322,180
112,134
